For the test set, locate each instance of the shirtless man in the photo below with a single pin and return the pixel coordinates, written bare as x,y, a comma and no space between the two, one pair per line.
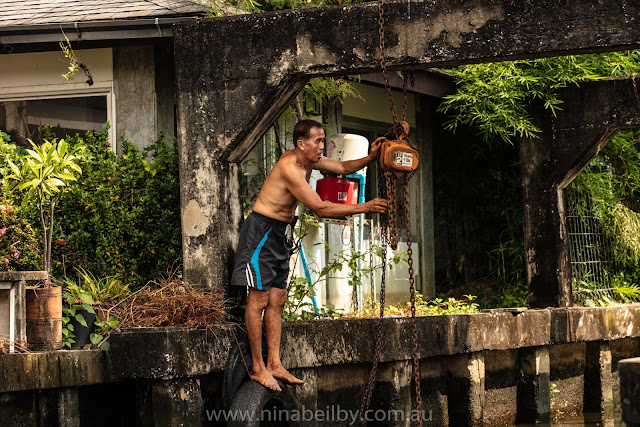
262,260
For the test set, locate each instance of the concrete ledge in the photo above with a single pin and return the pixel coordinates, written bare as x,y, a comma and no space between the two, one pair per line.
168,353
11,276
173,352
578,324
53,369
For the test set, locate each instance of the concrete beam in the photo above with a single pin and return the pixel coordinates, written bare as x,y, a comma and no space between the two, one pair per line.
32,371
591,115
247,64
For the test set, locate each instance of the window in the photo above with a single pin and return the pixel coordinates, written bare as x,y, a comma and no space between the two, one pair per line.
23,119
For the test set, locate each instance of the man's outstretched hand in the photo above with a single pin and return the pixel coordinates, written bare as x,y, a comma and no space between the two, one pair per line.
377,206
375,147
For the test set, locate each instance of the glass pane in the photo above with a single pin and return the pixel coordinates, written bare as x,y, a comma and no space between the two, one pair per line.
67,116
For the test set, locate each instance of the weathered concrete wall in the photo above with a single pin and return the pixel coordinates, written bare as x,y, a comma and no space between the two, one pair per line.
250,63
249,68
591,114
487,368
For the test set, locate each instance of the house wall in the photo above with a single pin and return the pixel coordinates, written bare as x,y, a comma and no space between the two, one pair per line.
38,75
138,82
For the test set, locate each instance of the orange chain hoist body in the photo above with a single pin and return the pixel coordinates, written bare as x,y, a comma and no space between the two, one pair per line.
397,155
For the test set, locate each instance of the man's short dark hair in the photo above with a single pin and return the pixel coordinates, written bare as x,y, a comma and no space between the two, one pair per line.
302,129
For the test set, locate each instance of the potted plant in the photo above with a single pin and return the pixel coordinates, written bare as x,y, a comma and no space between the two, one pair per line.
43,172
87,302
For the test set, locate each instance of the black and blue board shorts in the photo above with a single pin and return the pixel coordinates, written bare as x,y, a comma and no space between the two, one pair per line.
262,259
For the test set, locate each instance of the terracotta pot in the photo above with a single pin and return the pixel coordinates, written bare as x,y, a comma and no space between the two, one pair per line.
44,318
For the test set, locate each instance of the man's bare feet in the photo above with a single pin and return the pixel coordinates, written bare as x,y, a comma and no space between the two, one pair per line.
282,374
265,378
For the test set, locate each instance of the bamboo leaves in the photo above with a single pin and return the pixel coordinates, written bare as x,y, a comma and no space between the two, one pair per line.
494,97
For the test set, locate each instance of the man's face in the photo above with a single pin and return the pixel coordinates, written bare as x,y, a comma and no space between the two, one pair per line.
314,145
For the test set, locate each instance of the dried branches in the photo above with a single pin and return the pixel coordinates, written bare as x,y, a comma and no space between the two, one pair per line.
172,302
6,345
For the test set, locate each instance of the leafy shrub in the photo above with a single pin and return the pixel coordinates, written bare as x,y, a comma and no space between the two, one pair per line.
122,219
18,241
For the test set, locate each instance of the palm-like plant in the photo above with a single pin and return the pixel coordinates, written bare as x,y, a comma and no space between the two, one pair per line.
43,173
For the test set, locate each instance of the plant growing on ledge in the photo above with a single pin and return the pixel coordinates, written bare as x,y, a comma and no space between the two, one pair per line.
44,171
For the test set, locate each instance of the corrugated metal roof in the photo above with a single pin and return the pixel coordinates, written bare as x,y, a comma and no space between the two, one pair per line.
28,12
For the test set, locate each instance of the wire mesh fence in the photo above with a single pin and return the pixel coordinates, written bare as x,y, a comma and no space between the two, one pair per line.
593,262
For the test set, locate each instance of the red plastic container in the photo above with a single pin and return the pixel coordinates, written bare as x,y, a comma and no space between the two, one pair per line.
338,190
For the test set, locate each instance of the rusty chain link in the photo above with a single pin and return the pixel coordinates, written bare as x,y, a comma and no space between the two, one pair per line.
412,290
366,399
392,219
387,184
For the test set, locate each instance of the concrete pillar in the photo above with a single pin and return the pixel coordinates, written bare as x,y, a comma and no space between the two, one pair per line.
134,84
598,382
401,398
433,389
332,117
533,394
465,389
68,407
211,215
177,403
424,206
546,244
15,121
629,372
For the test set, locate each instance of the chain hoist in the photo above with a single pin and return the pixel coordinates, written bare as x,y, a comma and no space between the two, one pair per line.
398,161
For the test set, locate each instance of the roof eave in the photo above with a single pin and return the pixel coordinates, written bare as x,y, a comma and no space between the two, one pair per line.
91,30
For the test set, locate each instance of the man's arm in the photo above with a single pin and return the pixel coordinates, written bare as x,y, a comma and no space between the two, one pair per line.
296,183
349,166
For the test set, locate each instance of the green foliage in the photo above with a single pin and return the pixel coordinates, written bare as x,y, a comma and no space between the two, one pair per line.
300,292
621,291
609,189
85,295
68,52
122,220
232,7
99,289
42,173
323,90
493,97
75,300
18,242
433,307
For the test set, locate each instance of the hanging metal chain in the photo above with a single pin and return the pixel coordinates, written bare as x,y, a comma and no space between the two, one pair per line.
412,289
390,181
383,64
366,399
387,184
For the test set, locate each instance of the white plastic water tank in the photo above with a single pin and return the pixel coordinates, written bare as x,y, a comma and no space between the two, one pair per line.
347,146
